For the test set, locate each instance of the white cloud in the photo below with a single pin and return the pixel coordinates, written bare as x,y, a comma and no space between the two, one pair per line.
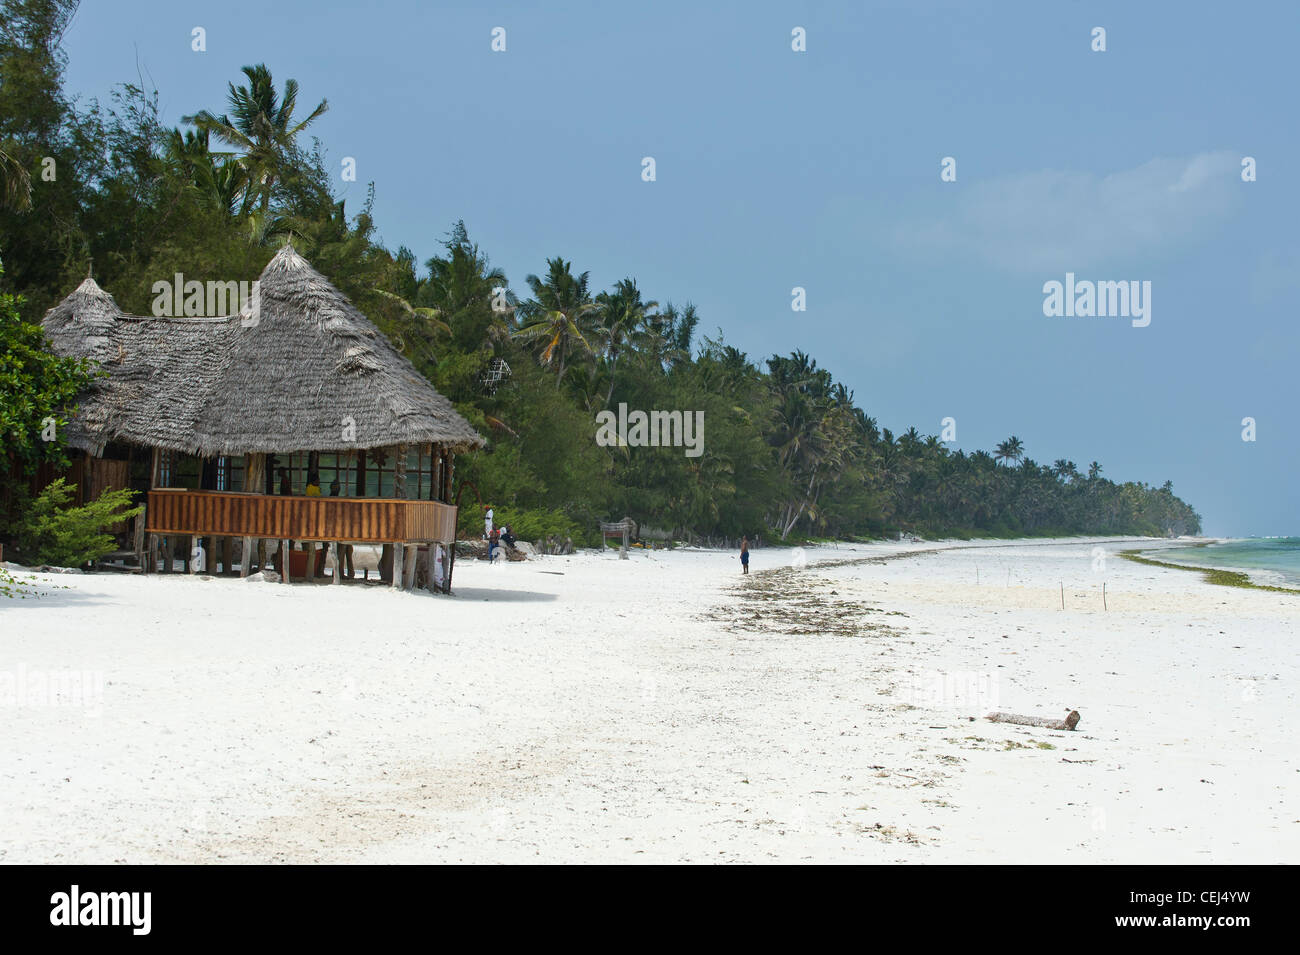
1058,220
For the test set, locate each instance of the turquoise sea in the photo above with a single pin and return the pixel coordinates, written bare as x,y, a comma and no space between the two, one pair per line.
1268,560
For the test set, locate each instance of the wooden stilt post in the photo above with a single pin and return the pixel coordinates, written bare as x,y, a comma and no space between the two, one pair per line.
336,558
449,477
399,553
284,561
152,565
408,570
137,541
254,483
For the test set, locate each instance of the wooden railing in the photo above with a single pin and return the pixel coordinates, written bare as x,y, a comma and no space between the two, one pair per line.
351,519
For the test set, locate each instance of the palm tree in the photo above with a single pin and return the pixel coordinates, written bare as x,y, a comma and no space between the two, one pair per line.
260,123
557,313
1094,471
222,182
623,313
15,184
463,286
1012,449
1062,468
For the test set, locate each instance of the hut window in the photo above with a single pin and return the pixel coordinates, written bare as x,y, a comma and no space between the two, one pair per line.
340,467
379,473
185,472
178,470
230,473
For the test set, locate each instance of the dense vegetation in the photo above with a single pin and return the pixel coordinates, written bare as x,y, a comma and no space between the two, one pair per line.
787,452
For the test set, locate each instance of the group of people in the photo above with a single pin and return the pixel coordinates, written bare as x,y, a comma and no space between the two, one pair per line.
496,535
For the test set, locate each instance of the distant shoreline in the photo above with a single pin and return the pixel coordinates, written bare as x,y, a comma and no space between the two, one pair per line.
1223,576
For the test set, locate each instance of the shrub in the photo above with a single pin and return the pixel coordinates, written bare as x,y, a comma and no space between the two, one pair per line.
536,524
51,532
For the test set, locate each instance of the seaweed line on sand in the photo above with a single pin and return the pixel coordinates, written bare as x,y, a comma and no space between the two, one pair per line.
1224,578
796,602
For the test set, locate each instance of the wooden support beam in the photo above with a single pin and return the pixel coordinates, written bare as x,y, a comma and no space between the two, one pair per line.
399,552
336,558
138,539
246,557
399,471
284,561
408,572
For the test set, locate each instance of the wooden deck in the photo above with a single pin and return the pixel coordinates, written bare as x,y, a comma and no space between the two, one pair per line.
350,519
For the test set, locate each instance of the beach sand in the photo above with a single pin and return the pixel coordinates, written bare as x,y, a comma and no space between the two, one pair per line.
660,709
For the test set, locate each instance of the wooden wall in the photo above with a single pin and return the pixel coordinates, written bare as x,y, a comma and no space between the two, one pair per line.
358,520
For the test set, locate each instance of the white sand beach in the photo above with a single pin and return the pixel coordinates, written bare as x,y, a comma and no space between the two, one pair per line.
660,709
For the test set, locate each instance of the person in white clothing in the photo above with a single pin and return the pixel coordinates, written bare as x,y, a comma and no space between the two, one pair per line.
487,522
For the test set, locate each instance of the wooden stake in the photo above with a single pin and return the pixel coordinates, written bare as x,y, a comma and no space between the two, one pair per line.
284,561
246,557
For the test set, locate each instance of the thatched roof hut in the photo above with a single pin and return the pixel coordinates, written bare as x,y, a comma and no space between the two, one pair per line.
308,371
296,376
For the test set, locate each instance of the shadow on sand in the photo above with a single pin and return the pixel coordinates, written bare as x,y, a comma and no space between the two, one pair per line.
496,595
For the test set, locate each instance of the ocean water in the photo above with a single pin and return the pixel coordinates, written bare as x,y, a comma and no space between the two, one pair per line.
1268,560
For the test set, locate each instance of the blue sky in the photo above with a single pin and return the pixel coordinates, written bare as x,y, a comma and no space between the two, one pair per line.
820,169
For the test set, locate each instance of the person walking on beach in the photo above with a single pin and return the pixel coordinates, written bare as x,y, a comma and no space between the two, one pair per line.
744,555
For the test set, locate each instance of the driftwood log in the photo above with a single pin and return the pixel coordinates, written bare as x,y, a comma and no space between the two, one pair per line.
1069,723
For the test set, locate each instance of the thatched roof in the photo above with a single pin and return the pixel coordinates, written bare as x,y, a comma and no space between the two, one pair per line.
289,382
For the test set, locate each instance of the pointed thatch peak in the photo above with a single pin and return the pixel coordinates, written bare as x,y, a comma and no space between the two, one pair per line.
85,321
88,300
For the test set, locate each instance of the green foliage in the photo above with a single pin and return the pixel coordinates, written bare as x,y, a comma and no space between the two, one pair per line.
51,532
34,386
533,525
